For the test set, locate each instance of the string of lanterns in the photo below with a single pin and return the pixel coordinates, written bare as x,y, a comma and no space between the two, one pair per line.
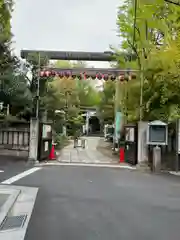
84,76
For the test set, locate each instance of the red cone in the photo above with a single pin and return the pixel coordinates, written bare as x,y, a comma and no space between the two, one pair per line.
52,155
121,155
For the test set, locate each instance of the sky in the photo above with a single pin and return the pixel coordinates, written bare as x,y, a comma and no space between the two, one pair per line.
66,25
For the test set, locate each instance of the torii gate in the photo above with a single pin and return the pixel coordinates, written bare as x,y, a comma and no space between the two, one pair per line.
81,73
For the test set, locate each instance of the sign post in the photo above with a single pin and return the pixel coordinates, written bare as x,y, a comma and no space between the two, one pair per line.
177,144
157,135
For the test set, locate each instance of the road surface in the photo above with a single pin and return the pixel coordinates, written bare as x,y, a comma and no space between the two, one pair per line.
98,203
101,204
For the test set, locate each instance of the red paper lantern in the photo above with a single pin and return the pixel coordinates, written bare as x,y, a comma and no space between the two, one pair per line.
47,73
130,77
121,78
42,74
74,76
126,78
106,77
133,76
61,74
85,76
113,77
67,74
99,76
53,73
79,77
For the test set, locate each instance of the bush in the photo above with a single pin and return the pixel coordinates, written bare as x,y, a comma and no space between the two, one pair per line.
61,141
2,116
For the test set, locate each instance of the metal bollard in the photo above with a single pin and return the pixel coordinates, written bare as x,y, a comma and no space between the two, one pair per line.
83,143
75,143
157,159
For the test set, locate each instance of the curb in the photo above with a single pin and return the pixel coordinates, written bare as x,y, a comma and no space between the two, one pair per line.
172,173
87,165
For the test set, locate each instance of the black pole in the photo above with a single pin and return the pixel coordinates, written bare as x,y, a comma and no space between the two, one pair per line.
177,145
172,2
66,107
38,86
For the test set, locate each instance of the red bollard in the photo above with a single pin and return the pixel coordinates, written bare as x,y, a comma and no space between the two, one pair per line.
121,155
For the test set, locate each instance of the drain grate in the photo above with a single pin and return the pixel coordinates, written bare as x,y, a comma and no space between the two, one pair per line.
13,222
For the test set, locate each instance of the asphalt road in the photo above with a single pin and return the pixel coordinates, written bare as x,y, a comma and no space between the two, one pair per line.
11,166
91,203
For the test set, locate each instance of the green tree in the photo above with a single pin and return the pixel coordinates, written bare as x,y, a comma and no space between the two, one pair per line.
13,86
154,40
62,98
6,59
88,96
69,95
107,101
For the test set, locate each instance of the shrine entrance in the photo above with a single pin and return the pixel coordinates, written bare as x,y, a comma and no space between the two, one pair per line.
102,74
94,125
81,73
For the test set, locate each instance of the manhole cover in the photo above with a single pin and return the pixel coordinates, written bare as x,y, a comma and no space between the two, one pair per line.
13,222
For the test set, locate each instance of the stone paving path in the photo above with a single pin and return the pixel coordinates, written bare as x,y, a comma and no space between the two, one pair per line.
88,155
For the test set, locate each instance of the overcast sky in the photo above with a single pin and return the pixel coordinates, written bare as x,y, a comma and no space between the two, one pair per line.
85,25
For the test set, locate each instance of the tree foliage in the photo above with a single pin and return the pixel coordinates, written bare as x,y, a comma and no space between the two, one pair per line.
107,101
13,85
66,96
154,38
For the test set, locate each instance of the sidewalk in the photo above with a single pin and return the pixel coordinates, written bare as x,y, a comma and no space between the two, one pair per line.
16,205
89,155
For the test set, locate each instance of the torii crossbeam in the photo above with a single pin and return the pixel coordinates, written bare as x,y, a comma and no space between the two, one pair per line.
99,73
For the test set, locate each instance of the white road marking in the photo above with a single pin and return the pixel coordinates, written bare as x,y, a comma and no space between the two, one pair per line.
88,165
175,173
21,175
1,171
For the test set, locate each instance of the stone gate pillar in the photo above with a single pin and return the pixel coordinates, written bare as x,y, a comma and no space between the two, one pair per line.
33,140
142,146
87,122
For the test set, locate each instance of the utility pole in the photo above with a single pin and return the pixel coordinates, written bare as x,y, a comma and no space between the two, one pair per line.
34,123
116,107
141,94
38,86
66,106
67,93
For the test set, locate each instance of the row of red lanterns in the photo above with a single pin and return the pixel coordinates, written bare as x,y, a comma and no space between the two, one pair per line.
84,75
